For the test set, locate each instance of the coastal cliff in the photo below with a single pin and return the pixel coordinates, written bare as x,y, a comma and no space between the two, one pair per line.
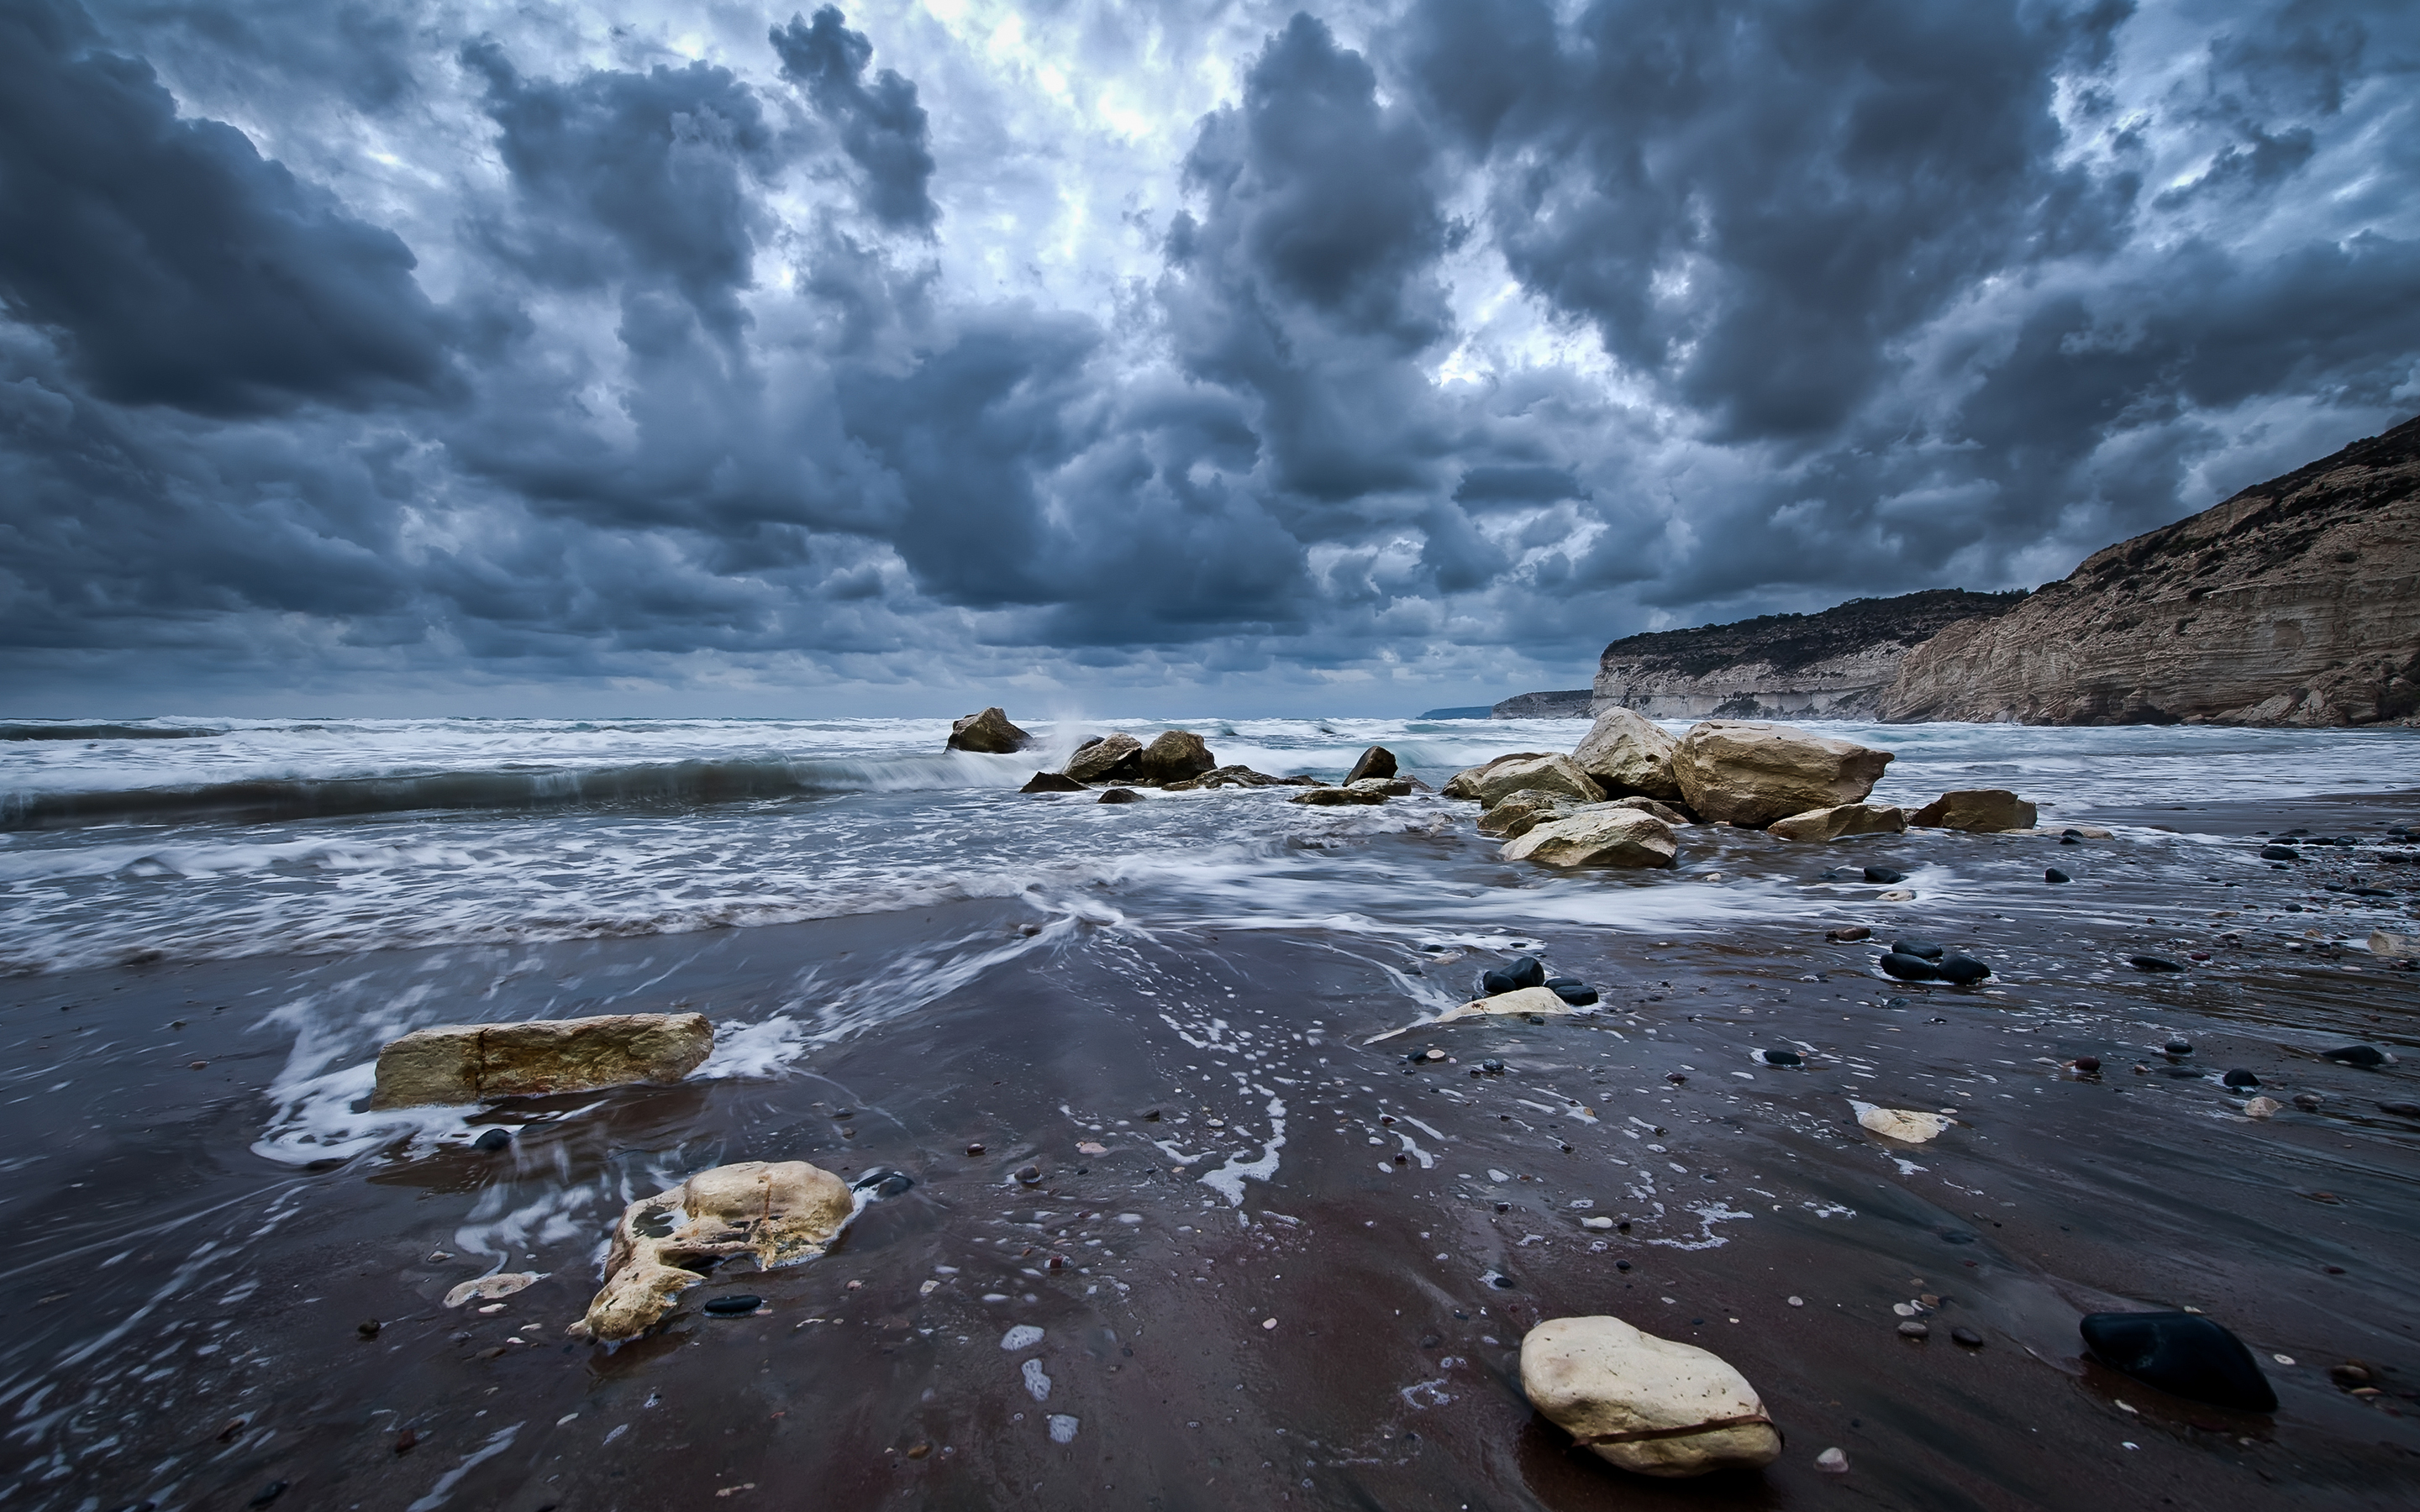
1833,665
2295,602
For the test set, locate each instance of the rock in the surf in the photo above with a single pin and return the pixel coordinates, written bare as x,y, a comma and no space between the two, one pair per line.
1838,822
2396,946
1746,773
1546,773
1175,756
1976,810
1338,797
1519,972
476,1062
1375,761
2184,1354
1599,837
1626,752
1907,1125
1650,1404
1120,795
1099,759
1464,783
1227,776
1963,970
1052,783
1393,787
1517,813
2368,1056
1519,1003
779,1212
1909,967
988,731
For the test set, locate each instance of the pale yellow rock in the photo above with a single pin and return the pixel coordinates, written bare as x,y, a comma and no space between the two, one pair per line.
1517,813
2400,947
2261,1107
1976,810
1897,895
1740,772
780,1212
1650,1404
476,1062
1904,1125
1626,752
490,1287
1464,783
1546,773
1838,822
1647,805
1517,1002
1608,836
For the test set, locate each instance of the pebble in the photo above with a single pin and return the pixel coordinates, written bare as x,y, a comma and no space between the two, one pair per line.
2366,1057
2177,1047
1849,936
1831,1462
1676,1078
2052,873
974,1150
2184,1354
2152,963
2086,1064
1596,1223
1798,1302
2280,853
1491,1068
1572,991
739,1306
493,1141
2262,1107
1781,1058
2309,1101
2402,1110
1912,1329
368,1328
1523,971
1884,875
1909,967
1967,1336
2240,1077
1963,971
1923,948
1030,1175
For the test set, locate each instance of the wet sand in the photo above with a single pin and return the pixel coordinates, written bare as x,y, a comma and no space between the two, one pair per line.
184,1314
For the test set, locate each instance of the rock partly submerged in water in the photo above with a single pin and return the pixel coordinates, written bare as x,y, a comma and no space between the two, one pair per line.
1098,760
1517,813
1743,772
1375,761
1628,753
1976,810
1653,1405
1605,836
779,1212
476,1062
1500,778
1052,783
1514,1004
1231,777
989,732
1339,797
1907,1125
2184,1354
1838,822
1464,783
1175,756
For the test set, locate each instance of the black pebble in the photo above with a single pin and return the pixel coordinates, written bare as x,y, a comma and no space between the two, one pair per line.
1492,1068
493,1141
2402,1110
2293,908
267,1493
1884,874
1120,795
2068,837
2153,962
1501,1283
1964,970
2239,1078
2177,1047
1967,1336
1496,983
1895,1002
1572,989
2052,873
1533,1018
368,1328
1910,968
1782,1058
2280,853
2184,1354
733,1306
1030,1175
883,1184
2356,1055
1925,948
1622,1265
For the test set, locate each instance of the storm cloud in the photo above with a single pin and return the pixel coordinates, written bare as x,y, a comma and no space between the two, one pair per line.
887,358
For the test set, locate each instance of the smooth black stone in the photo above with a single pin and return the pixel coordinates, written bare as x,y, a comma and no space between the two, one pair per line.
2280,853
1967,1336
2373,892
1884,874
1496,983
1029,1176
1926,949
1120,795
733,1306
1782,1058
1501,1283
1532,1018
883,1184
2356,1054
2071,839
1910,968
1964,970
2335,887
1492,1068
2402,1110
1577,993
1525,972
2293,908
2153,962
493,1141
1052,783
2052,873
2240,1078
2184,1354
2177,1047
267,1493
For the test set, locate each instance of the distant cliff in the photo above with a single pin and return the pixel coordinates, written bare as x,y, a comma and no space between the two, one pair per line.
1833,665
1572,703
2296,602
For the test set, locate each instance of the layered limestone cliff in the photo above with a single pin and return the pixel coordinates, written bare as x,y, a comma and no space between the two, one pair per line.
1833,665
1565,703
2296,602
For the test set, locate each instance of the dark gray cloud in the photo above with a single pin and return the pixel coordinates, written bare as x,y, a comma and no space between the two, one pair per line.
517,347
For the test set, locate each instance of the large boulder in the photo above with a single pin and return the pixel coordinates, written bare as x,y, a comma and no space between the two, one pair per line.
1838,822
1627,752
1741,772
778,1212
1608,835
1464,783
988,731
1517,813
478,1062
1375,761
1175,756
1979,811
1118,755
1650,1405
1546,773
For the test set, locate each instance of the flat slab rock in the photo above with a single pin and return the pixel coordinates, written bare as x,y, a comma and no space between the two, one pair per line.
778,1212
1653,1405
478,1062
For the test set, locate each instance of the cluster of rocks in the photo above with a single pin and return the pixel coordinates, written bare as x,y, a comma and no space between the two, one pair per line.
1619,795
1176,761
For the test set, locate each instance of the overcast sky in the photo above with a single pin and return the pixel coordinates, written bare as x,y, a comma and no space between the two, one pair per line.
364,356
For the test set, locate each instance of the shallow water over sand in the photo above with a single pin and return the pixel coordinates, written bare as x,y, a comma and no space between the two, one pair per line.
938,968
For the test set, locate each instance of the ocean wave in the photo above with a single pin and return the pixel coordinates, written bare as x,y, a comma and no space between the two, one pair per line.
52,730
